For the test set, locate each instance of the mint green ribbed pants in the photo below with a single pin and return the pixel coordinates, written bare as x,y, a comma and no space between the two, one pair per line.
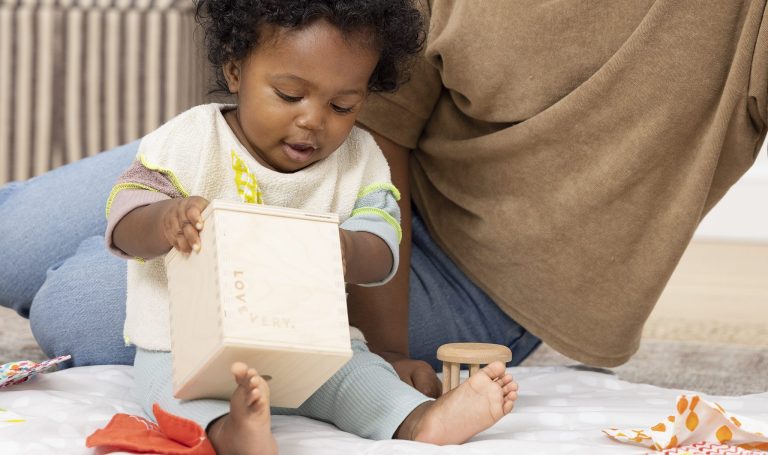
365,397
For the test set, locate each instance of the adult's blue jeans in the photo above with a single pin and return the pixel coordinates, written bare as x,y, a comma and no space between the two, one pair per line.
55,270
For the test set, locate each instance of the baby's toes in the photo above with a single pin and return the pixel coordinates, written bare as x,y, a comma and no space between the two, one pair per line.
495,370
258,382
240,372
504,380
254,396
507,406
509,387
251,379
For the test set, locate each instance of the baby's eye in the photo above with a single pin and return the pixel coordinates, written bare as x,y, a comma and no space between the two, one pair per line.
341,110
289,98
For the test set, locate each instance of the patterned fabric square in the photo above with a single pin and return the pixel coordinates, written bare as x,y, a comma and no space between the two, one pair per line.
697,421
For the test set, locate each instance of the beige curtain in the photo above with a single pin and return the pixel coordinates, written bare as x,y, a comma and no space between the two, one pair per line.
81,76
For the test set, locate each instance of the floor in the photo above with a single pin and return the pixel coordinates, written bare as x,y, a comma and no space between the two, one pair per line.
719,292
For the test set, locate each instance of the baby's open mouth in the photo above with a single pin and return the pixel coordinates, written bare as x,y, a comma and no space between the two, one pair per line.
301,147
298,151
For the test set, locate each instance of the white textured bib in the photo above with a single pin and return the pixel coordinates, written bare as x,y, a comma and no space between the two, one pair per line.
194,150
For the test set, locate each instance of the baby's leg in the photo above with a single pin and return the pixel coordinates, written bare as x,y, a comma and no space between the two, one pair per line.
472,407
365,397
246,429
246,415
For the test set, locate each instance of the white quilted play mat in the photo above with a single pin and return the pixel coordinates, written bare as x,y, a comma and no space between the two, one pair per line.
560,410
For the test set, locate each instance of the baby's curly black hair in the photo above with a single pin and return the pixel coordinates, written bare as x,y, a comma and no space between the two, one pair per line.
231,30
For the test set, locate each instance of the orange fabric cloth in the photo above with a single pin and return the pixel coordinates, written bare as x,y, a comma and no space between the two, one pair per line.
172,435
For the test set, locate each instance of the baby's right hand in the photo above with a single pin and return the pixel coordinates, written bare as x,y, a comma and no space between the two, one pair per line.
183,221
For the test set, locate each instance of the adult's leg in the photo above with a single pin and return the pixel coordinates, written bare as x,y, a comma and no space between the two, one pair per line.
80,308
49,257
447,307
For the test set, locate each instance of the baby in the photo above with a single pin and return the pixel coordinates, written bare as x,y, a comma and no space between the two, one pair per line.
301,71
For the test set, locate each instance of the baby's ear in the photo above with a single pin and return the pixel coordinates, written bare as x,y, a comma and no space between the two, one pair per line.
231,71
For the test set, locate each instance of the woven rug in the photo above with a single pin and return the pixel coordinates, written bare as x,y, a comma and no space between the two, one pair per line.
16,340
708,367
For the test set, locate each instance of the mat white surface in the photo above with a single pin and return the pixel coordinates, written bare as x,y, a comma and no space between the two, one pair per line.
560,410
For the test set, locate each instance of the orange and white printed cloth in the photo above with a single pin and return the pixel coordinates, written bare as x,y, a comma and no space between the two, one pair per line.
708,448
698,421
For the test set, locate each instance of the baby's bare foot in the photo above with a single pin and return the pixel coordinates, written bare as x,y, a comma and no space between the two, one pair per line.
465,411
246,429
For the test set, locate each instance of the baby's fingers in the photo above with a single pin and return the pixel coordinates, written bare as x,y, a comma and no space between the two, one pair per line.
190,223
194,211
190,238
172,228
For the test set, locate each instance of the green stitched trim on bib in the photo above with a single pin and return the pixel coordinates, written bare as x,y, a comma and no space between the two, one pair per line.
373,187
167,172
387,217
125,186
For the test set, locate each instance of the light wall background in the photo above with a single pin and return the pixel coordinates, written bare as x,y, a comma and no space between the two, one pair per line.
719,290
742,215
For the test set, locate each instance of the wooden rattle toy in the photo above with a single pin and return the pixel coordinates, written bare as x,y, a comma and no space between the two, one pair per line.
454,355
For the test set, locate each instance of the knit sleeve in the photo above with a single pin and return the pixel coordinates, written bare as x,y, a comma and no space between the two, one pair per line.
139,177
376,211
136,187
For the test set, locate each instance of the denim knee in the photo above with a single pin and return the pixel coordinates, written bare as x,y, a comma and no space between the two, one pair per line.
45,219
80,308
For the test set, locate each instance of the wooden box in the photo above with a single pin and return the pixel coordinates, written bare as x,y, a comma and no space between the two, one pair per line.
267,289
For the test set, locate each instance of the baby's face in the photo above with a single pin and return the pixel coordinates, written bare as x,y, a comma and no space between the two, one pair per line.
299,93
